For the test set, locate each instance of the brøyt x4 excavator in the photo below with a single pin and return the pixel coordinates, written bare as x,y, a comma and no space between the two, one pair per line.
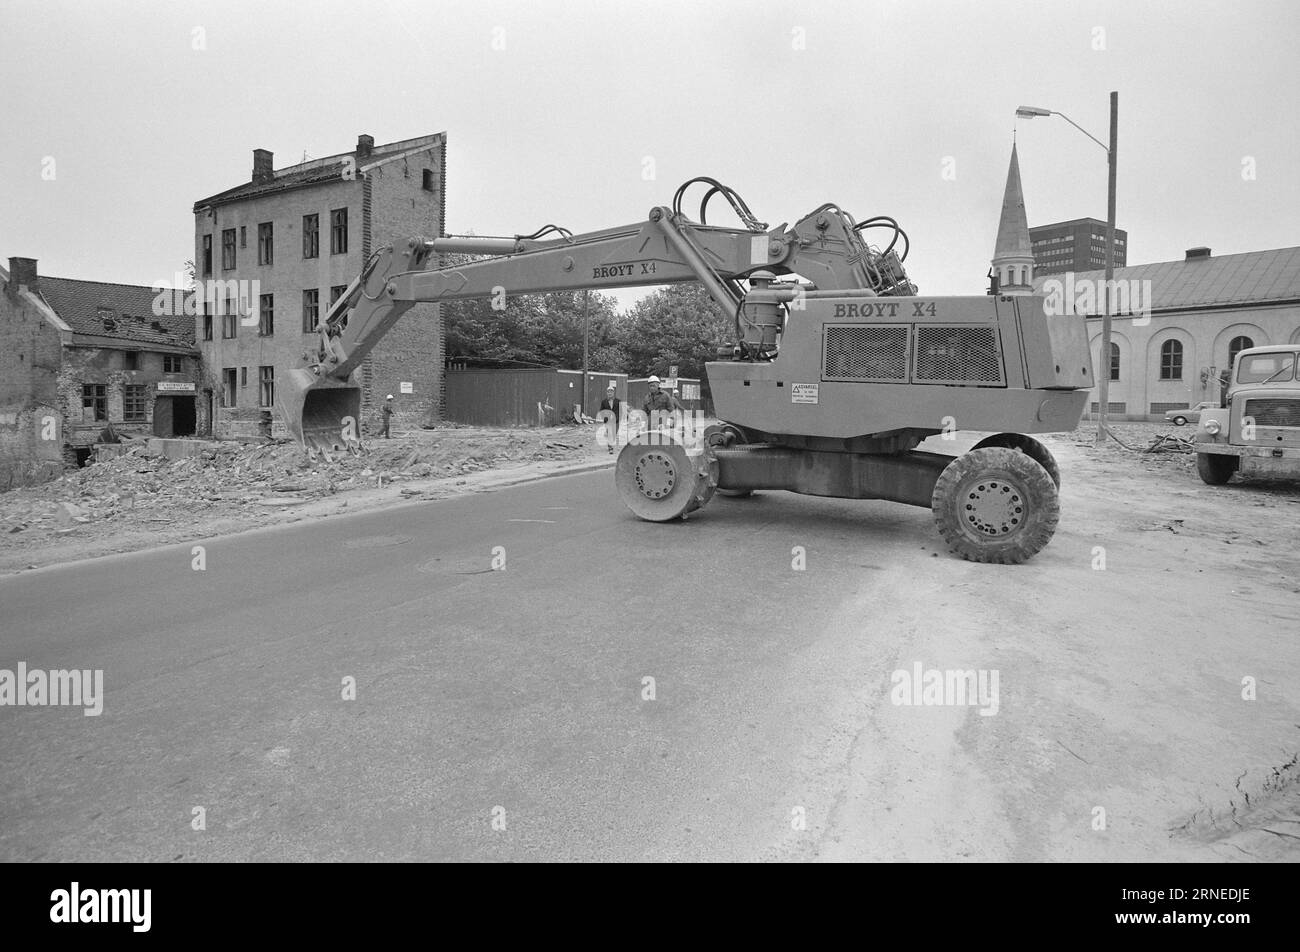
838,371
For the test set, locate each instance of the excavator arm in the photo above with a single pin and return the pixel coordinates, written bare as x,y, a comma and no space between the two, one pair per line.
321,405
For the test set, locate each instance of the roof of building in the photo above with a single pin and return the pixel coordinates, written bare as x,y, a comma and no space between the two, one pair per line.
1071,223
1013,227
328,169
115,314
1253,277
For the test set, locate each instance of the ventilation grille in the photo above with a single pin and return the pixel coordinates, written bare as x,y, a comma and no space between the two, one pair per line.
963,355
1274,412
865,352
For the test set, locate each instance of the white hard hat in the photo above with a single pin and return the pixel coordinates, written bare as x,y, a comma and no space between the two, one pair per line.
652,379
389,397
612,386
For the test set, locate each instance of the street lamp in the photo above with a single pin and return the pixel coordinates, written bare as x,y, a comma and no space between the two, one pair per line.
1103,389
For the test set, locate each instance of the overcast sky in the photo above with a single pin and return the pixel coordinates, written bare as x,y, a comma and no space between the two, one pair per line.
553,108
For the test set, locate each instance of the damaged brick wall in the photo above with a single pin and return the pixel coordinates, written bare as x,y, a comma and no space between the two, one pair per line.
31,445
412,351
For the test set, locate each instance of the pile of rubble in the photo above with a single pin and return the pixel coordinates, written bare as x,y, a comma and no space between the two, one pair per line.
138,489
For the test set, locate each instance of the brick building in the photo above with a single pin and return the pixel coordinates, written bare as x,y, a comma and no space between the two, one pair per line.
75,355
272,254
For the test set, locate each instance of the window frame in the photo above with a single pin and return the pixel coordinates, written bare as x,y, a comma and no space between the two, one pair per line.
339,231
265,386
266,315
1171,359
266,243
95,396
311,236
310,302
229,257
135,403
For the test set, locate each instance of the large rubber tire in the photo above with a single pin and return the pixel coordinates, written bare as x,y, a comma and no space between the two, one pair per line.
1215,469
995,504
659,481
1030,447
1180,421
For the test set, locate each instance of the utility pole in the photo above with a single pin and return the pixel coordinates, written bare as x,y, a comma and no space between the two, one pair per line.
586,344
1103,391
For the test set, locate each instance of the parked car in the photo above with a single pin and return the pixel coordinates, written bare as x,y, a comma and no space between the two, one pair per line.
1184,417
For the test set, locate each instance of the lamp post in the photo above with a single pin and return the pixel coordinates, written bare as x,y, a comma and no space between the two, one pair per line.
1103,388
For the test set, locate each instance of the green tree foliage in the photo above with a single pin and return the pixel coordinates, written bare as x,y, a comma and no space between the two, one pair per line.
680,324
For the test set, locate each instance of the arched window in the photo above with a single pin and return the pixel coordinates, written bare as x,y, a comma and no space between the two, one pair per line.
1236,346
1024,275
1114,361
1171,360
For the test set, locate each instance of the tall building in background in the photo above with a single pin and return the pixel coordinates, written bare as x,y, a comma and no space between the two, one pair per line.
303,233
1013,259
1078,245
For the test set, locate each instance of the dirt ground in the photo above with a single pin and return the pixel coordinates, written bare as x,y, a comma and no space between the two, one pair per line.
136,501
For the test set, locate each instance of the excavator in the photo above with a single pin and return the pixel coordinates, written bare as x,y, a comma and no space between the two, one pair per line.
838,372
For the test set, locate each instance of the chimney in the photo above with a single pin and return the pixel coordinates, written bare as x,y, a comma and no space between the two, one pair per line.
365,145
262,171
22,271
1195,253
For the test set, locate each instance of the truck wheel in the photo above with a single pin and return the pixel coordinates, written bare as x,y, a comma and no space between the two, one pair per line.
1215,469
995,504
1180,421
1031,447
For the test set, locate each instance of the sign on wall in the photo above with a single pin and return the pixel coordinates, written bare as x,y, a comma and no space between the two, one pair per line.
176,385
407,386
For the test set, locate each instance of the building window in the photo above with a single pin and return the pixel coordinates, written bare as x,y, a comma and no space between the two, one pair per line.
243,376
228,249
265,232
207,255
428,180
339,231
1171,360
94,401
228,387
266,315
336,292
131,360
266,386
310,310
229,321
133,403
1114,361
1235,347
207,327
243,237
311,236
174,363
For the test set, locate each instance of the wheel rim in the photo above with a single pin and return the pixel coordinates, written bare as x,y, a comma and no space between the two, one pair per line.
655,475
992,507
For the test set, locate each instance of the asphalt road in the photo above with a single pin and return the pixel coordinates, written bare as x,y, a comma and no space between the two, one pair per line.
506,714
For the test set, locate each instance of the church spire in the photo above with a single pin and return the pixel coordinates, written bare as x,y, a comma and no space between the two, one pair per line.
1013,256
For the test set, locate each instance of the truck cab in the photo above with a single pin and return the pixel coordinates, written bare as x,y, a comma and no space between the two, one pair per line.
1257,431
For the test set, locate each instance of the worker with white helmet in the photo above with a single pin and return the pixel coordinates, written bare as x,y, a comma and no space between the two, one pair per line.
387,411
659,405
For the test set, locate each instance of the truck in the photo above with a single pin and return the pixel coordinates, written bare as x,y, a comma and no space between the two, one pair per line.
1257,431
838,370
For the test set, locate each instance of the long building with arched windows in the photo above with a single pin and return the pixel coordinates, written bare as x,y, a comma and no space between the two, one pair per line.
1189,320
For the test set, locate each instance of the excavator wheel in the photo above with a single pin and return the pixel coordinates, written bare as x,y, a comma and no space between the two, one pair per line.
727,434
659,481
995,504
1030,447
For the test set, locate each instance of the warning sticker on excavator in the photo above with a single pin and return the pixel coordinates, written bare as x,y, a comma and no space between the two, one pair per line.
803,393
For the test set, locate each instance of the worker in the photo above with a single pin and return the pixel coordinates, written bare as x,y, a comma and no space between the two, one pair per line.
387,411
610,411
659,404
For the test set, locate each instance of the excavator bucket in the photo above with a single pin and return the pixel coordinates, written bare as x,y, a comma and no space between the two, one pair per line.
322,414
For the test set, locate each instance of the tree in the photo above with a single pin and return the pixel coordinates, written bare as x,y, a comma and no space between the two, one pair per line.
680,324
